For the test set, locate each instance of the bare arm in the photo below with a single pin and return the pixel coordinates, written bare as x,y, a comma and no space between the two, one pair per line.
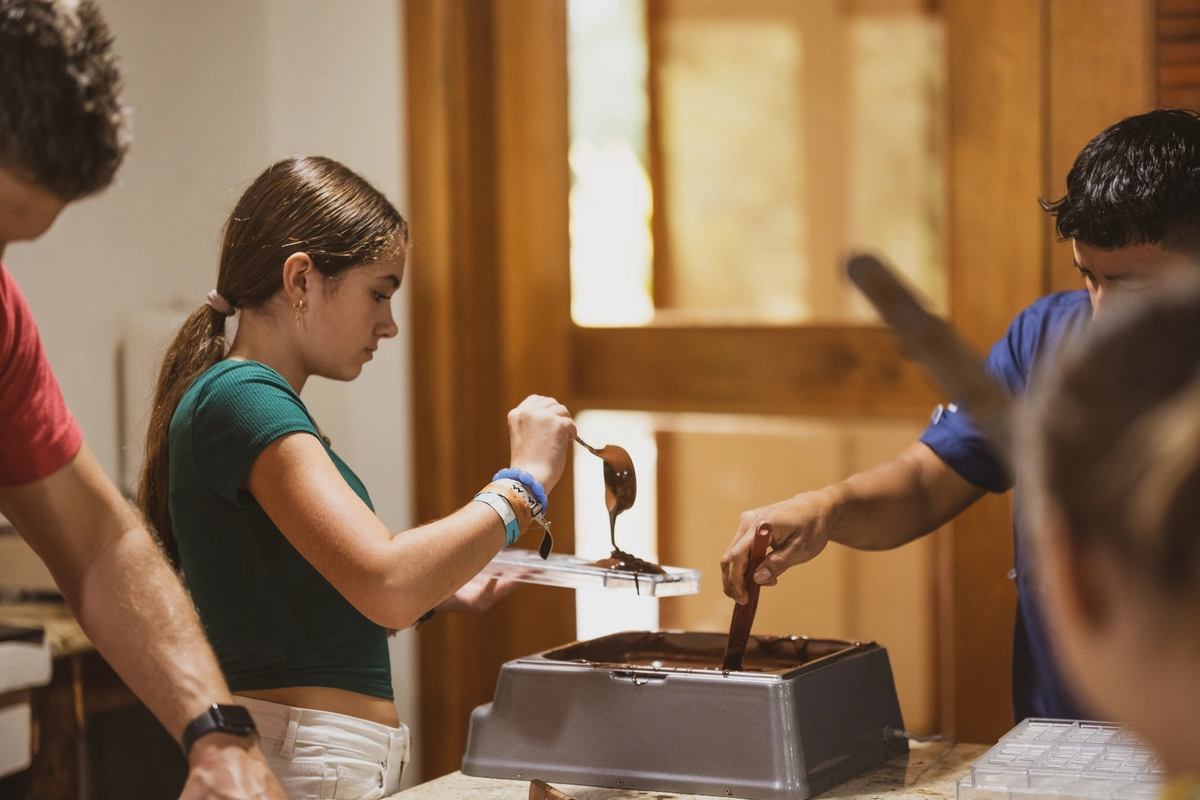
134,610
393,580
877,509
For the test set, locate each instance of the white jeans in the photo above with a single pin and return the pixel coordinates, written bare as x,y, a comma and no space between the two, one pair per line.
319,755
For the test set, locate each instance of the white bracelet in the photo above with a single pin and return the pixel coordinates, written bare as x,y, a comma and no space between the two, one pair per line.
512,531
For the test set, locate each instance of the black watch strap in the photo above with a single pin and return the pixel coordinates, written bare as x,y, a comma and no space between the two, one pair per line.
235,720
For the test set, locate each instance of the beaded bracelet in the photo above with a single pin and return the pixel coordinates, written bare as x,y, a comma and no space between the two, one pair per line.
524,477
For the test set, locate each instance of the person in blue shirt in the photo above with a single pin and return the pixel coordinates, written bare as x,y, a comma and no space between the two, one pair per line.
1132,212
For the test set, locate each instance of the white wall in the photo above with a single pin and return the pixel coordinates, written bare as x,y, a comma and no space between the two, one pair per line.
219,90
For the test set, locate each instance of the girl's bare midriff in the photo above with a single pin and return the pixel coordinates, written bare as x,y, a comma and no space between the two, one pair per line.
325,698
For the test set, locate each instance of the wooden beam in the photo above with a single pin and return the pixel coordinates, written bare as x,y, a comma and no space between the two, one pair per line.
657,20
1178,63
532,201
1101,70
839,371
533,184
491,304
997,233
460,435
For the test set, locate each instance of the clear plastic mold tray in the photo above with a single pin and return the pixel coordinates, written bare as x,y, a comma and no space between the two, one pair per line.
1061,759
576,572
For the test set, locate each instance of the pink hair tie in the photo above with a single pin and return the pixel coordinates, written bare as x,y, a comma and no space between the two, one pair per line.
219,304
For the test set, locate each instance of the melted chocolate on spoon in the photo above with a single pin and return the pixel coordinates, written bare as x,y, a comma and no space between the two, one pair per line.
620,492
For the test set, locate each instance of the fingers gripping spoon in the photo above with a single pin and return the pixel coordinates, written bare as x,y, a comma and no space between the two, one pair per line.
934,343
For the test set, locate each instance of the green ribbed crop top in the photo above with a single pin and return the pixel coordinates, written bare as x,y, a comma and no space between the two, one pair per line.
272,619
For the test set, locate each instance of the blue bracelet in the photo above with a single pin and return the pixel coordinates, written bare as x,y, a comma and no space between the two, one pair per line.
524,477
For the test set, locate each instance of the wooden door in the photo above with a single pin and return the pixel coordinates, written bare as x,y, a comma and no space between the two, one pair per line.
488,127
490,312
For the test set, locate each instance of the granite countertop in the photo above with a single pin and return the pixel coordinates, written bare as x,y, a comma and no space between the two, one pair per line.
65,635
928,772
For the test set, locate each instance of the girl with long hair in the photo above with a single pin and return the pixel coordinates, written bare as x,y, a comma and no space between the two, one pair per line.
295,578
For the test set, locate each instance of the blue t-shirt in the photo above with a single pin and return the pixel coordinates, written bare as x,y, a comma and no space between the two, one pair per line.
1033,339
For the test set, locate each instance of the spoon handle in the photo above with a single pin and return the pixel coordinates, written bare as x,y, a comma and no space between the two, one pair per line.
587,446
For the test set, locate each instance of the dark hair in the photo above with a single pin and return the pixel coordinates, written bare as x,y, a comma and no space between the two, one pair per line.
307,205
1115,436
61,120
1137,182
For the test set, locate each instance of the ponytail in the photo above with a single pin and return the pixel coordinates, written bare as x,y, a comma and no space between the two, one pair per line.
199,345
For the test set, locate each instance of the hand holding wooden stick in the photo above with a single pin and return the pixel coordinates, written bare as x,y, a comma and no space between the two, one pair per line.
743,615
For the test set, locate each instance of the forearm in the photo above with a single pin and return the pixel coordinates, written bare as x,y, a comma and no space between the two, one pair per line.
895,502
133,608
423,567
119,587
882,507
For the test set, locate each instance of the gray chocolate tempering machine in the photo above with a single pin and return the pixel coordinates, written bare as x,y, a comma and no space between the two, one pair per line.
655,711
764,718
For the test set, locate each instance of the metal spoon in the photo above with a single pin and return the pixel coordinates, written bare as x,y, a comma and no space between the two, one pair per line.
620,482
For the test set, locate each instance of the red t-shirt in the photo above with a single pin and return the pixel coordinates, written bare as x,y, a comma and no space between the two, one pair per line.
38,434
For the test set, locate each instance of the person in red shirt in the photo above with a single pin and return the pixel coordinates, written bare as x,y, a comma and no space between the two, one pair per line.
62,137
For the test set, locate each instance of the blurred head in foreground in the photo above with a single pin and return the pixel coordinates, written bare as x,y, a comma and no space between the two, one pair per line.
1112,451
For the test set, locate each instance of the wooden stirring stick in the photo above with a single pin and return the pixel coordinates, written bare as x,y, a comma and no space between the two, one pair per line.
743,616
934,343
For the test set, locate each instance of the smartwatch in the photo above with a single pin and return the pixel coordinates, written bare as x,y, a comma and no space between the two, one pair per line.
235,720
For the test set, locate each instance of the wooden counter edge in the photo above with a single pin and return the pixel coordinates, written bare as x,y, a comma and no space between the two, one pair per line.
929,772
63,631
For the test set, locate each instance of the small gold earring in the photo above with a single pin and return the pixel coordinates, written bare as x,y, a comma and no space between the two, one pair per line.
299,306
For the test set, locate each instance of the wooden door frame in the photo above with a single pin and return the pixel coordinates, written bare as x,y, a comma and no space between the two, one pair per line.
488,195
1031,81
487,117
